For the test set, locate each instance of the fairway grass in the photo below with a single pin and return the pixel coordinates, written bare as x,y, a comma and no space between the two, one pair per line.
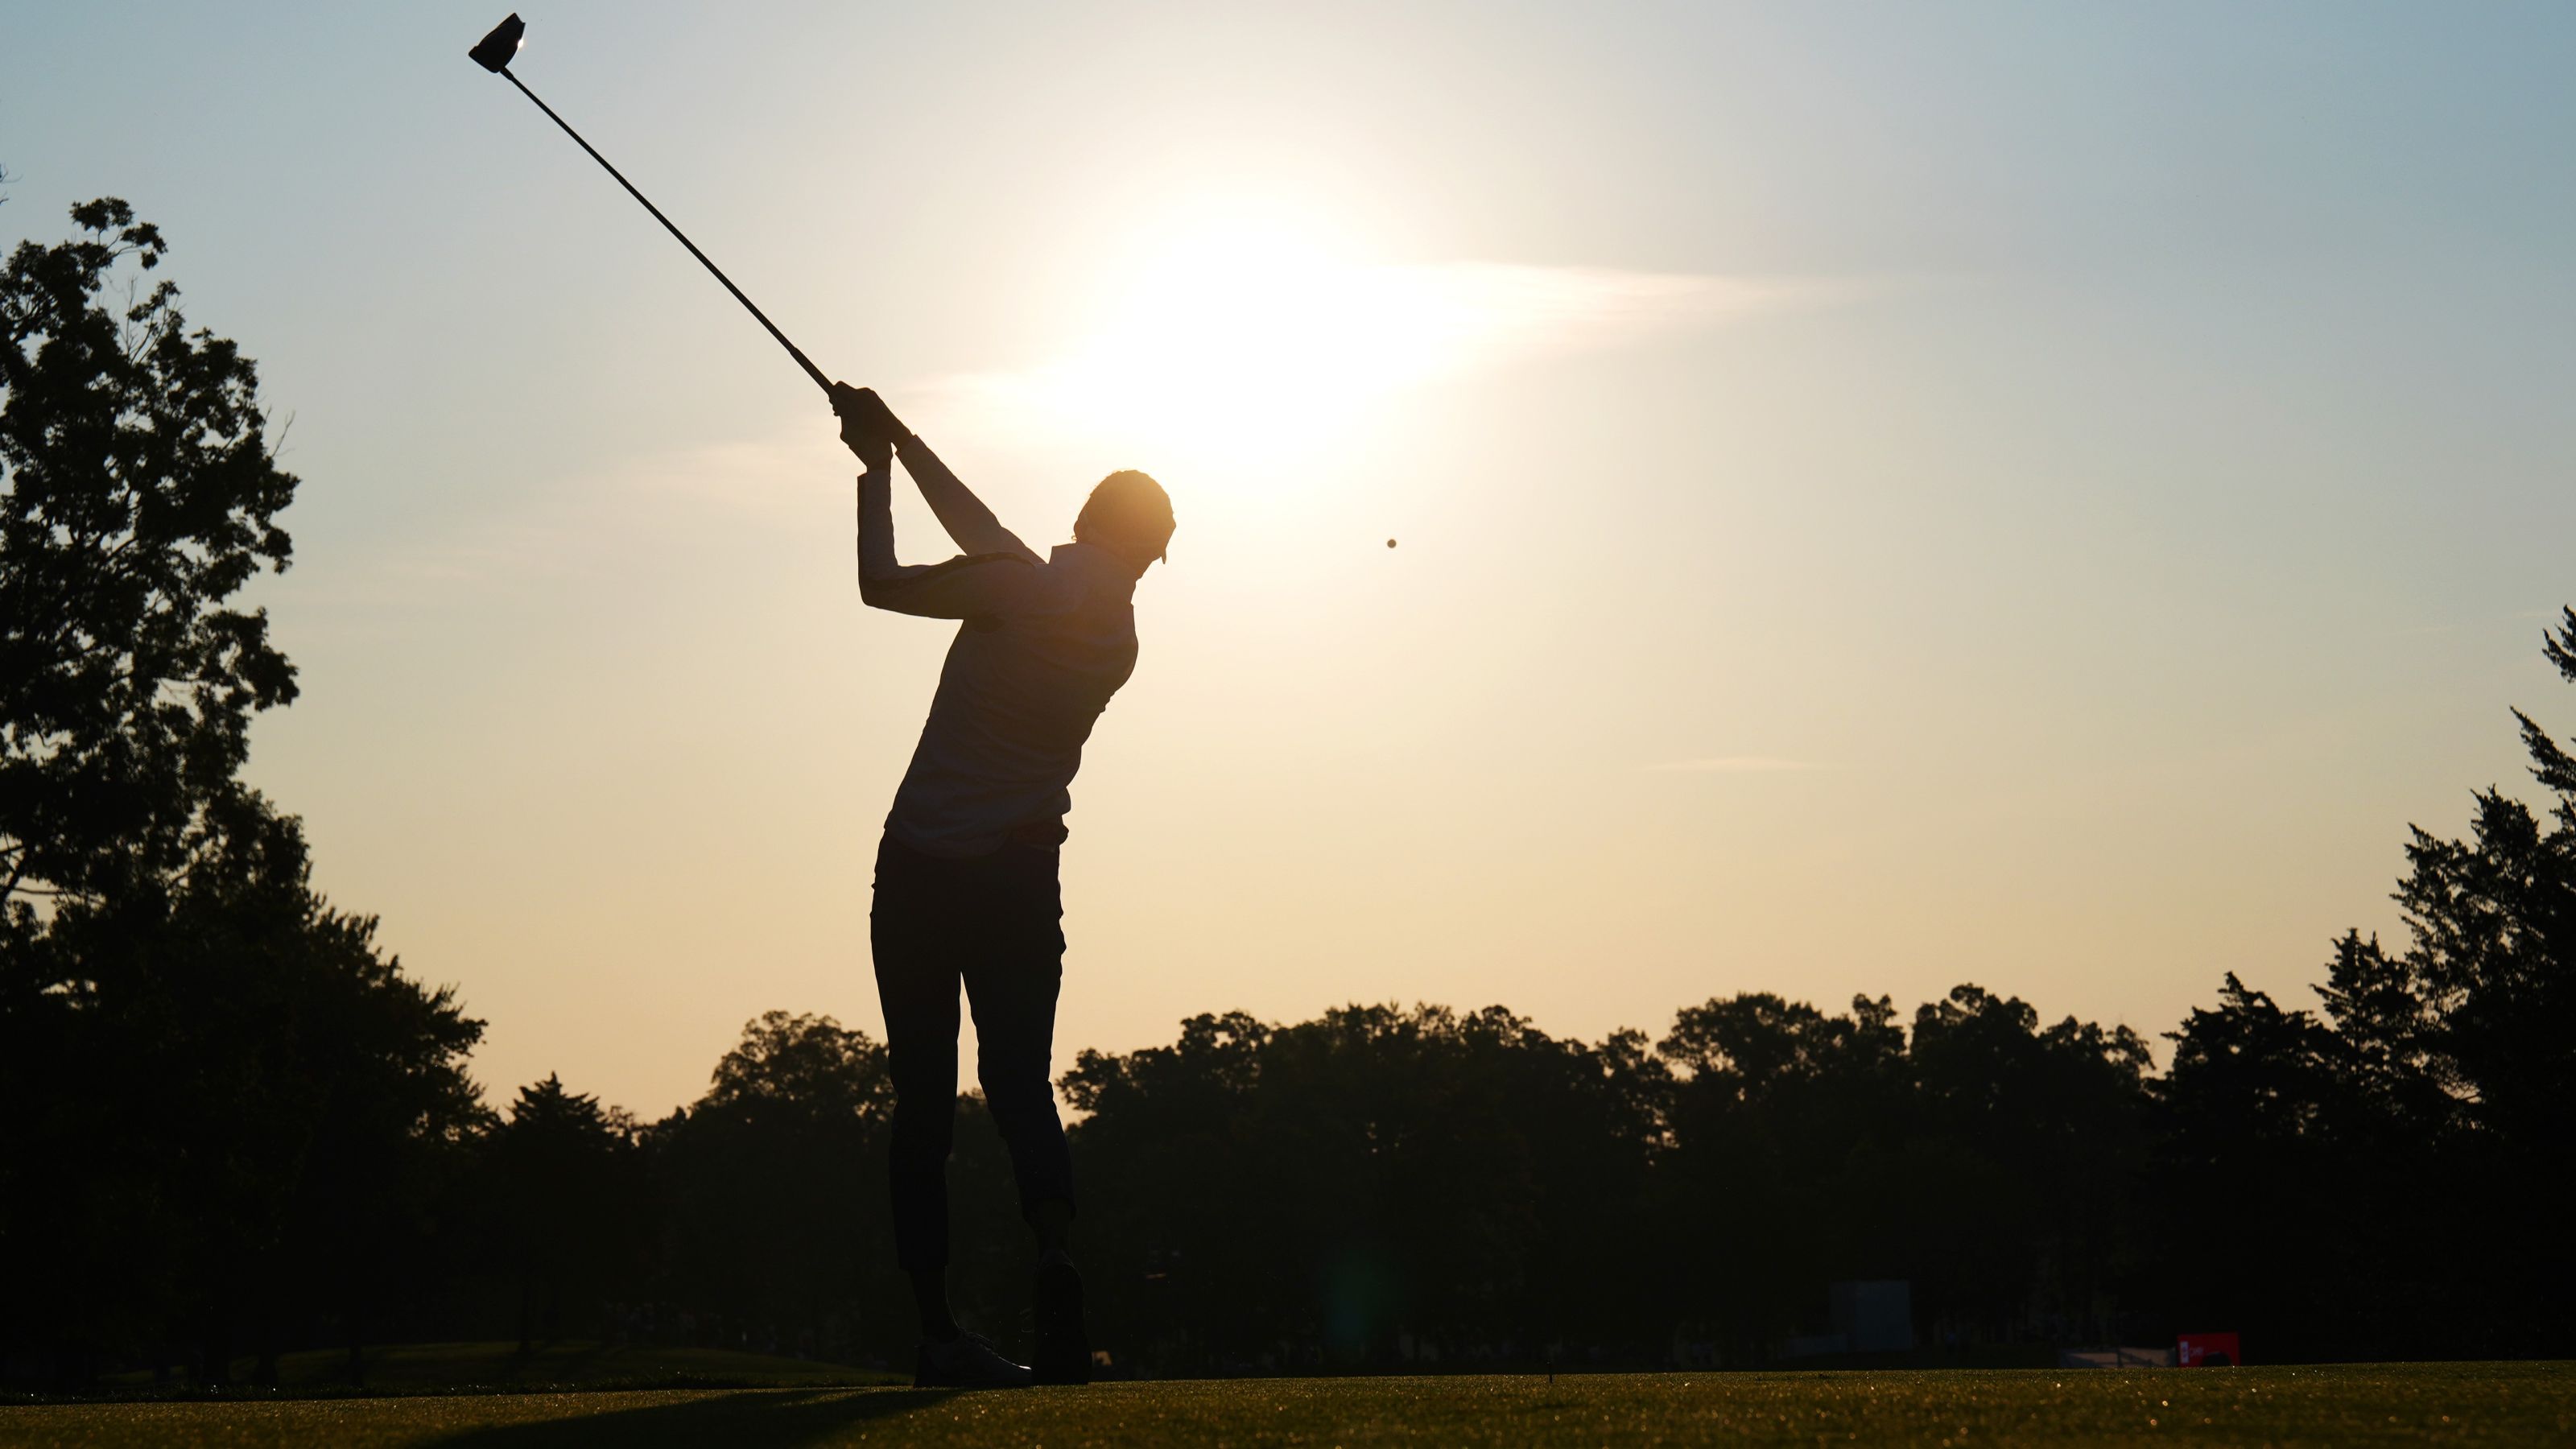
2340,1405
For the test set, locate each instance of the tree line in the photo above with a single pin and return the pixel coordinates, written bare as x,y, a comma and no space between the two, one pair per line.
235,1125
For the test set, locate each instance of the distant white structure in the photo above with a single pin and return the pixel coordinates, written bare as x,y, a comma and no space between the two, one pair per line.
1874,1315
2115,1358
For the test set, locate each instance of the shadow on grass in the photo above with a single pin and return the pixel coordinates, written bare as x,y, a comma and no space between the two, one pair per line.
756,1419
493,1366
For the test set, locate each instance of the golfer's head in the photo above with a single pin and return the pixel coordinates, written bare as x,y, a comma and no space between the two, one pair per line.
1128,514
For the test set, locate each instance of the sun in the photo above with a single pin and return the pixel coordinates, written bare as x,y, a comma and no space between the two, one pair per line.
1238,327
1257,348
1241,351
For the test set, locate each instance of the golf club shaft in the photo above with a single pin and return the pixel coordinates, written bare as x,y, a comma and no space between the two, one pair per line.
793,351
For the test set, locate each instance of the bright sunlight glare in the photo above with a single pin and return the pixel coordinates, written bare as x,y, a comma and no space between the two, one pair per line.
1245,331
1230,347
1238,328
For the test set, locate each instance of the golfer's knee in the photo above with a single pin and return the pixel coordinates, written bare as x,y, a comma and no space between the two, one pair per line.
924,1124
1019,1099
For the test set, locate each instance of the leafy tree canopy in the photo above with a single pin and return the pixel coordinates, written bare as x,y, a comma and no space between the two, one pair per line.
805,1066
138,494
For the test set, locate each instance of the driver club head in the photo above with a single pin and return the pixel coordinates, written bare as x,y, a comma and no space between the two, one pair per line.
494,51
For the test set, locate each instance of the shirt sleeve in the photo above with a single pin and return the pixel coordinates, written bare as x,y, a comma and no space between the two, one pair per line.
968,521
969,586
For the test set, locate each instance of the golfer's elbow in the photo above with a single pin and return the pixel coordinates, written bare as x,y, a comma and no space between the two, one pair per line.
899,592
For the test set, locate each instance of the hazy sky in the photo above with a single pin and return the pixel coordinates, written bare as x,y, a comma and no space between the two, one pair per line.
1888,495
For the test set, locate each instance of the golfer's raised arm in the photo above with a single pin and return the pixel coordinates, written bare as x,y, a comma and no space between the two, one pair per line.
959,511
966,587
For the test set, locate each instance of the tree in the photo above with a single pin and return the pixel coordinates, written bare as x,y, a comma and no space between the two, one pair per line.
2466,1046
777,1221
802,1068
575,1206
2388,1180
138,494
1380,1185
2058,1113
220,1101
2482,1005
261,1099
1777,1101
2252,1181
1985,1158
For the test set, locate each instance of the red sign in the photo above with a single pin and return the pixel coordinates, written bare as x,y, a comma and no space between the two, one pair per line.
2207,1350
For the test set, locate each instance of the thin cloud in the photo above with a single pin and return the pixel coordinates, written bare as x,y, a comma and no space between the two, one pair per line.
1220,354
1735,765
1494,313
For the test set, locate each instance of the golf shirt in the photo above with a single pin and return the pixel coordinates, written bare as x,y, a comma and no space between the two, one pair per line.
1043,645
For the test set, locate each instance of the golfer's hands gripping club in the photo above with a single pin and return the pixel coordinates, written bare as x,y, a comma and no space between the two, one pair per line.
867,425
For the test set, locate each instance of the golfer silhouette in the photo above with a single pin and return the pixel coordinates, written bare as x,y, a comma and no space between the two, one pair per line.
966,887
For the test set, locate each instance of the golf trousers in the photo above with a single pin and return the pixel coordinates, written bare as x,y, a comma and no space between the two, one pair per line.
994,924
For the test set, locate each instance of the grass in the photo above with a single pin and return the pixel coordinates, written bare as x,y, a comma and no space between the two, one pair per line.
2521,1403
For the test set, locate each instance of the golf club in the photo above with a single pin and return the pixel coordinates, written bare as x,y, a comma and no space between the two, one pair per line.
494,53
